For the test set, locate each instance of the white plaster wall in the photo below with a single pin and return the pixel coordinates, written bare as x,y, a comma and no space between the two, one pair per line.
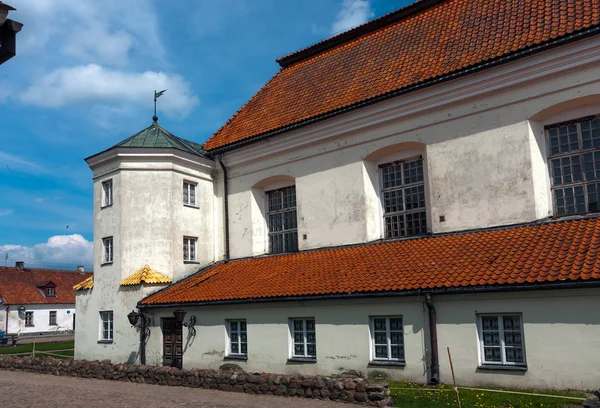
486,164
561,331
41,319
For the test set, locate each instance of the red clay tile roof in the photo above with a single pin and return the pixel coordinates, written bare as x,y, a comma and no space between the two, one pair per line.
443,39
20,287
541,253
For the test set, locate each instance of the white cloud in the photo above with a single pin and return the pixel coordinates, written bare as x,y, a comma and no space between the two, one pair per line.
6,211
352,14
97,84
10,162
91,30
61,251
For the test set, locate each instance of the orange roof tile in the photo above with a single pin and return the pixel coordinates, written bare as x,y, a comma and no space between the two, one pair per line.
373,61
145,275
21,286
540,253
85,284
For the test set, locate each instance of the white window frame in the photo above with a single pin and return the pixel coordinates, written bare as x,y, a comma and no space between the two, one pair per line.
189,186
187,242
388,344
107,250
107,193
305,342
502,362
404,213
50,292
239,341
108,317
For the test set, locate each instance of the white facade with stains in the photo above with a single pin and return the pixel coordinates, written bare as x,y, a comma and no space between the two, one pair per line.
486,164
41,319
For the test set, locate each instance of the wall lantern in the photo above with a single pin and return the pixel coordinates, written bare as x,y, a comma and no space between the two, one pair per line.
180,315
133,317
8,33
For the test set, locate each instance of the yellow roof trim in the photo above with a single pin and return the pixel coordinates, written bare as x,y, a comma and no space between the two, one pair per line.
145,275
86,284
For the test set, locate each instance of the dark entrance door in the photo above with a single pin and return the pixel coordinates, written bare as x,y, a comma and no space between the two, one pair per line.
172,343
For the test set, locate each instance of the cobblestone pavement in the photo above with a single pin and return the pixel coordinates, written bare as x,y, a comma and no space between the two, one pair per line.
30,390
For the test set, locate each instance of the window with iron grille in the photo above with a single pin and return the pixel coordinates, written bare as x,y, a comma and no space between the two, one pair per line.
107,243
574,149
283,225
501,340
107,193
304,338
387,336
238,338
106,325
52,320
28,318
189,249
189,193
403,196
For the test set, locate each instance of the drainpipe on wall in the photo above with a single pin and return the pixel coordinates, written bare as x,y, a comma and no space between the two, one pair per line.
6,329
435,364
225,208
142,339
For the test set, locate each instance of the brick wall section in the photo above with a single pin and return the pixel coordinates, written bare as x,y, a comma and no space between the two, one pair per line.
336,388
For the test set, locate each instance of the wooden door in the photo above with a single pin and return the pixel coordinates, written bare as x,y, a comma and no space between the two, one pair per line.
172,343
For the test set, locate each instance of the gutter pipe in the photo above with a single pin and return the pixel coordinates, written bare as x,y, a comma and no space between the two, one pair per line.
225,207
435,364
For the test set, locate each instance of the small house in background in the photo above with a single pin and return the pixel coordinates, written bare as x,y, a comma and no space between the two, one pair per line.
38,301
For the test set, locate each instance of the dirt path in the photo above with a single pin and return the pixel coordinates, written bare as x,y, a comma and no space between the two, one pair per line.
29,390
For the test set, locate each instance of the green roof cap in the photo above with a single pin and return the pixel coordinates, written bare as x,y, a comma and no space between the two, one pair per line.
157,136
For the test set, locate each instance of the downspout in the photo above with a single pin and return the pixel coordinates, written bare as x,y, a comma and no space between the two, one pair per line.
225,208
142,339
6,329
435,363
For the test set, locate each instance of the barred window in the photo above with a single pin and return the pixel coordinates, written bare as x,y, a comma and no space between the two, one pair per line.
387,338
283,224
304,338
189,193
29,319
189,249
403,195
238,338
574,149
501,338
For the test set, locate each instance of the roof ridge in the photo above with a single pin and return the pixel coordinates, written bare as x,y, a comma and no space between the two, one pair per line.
356,32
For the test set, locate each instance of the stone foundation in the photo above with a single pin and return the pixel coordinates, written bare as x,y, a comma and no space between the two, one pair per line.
230,378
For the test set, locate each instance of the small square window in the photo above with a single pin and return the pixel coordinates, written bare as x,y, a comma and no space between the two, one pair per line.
29,319
501,340
107,193
50,292
387,339
190,249
52,320
189,193
304,338
106,325
238,338
107,244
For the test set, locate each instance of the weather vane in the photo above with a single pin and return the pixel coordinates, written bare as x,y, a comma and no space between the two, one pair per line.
156,96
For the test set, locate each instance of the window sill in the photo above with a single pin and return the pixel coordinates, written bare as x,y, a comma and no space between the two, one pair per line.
106,206
387,363
106,264
233,357
29,325
105,341
302,360
191,206
53,324
191,262
493,367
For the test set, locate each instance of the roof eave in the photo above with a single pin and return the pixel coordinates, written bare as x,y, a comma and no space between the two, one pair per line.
526,52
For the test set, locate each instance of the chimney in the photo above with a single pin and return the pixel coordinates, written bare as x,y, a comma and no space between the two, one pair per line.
81,269
20,265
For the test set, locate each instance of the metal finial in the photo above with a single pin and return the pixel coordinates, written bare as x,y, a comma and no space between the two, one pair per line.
156,96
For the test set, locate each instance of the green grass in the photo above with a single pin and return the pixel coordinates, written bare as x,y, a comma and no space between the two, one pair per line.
444,396
25,348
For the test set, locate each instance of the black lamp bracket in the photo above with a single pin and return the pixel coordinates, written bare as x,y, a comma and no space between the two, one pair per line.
190,325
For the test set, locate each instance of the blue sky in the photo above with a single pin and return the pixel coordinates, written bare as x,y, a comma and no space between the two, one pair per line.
83,80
